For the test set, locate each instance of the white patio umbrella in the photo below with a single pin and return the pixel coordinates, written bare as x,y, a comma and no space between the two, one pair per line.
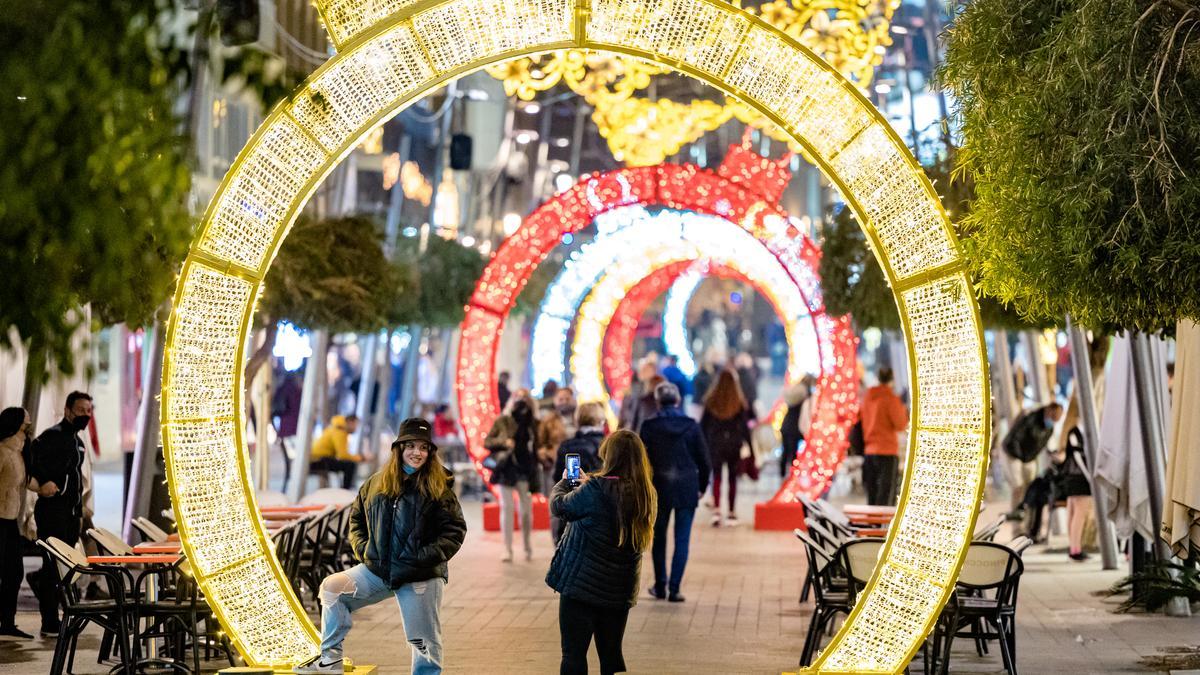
1121,469
1181,507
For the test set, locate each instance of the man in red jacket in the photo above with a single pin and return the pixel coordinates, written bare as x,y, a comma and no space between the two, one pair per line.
883,418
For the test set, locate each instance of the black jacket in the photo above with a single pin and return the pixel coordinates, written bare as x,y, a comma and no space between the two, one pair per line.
586,444
407,538
725,437
679,456
588,565
57,455
1028,436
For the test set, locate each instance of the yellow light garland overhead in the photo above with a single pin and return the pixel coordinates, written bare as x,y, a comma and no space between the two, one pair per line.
850,35
391,53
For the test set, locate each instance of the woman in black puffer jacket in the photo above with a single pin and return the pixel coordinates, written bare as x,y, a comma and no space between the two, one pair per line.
610,521
405,525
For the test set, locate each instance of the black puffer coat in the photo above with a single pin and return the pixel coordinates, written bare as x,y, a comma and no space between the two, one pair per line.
407,538
588,565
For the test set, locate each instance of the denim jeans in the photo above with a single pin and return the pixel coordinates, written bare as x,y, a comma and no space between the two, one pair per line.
658,550
420,603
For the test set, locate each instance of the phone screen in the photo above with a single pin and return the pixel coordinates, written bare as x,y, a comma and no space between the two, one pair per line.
572,466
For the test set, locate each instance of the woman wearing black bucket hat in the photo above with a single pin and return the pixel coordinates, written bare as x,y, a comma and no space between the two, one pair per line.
405,525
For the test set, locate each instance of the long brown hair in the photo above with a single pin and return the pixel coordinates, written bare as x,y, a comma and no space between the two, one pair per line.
725,399
624,457
431,477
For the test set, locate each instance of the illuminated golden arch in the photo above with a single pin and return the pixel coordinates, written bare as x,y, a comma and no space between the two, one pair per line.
391,53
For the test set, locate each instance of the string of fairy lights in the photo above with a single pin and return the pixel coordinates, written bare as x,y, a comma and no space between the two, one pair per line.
392,52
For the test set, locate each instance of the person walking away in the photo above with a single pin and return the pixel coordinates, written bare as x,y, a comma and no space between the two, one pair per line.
1025,440
516,472
675,376
705,377
610,518
552,431
56,464
589,419
285,408
405,526
726,425
647,406
747,372
1074,485
15,437
789,429
883,418
627,416
679,461
502,389
331,451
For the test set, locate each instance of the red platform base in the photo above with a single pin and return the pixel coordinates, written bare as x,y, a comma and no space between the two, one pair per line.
541,516
779,516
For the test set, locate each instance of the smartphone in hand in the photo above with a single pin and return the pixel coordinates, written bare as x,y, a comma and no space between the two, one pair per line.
573,471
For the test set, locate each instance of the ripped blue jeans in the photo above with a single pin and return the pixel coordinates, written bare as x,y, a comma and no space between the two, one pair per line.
420,604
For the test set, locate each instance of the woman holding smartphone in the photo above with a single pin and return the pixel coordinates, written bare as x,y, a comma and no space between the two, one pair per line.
609,519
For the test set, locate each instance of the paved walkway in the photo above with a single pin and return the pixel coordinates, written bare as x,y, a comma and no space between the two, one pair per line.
741,616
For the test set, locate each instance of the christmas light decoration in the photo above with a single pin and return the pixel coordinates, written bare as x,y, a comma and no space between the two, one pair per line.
392,52
850,35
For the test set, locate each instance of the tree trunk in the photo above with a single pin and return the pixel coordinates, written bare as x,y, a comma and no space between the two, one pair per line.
363,401
1090,426
381,419
262,422
145,452
412,361
314,377
1148,389
450,338
35,380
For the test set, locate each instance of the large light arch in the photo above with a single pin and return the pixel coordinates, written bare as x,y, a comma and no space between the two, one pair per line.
393,52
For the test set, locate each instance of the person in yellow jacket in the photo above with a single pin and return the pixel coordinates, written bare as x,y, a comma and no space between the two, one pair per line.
331,451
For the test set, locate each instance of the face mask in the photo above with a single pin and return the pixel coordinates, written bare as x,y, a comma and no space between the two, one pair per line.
80,423
566,409
409,470
1049,423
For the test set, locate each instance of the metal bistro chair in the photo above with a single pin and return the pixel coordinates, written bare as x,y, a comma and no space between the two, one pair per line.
857,557
984,606
149,531
988,532
114,614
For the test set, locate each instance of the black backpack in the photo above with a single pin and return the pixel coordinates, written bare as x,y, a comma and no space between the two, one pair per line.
1027,437
858,444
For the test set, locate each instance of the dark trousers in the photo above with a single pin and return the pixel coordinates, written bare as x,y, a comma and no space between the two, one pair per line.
344,466
578,622
683,533
879,479
11,569
64,526
731,467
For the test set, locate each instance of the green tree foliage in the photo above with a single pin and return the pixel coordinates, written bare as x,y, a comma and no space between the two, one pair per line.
95,175
446,275
333,274
1081,121
851,280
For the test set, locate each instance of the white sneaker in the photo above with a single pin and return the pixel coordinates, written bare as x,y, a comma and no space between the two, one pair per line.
716,520
507,557
528,555
731,520
325,663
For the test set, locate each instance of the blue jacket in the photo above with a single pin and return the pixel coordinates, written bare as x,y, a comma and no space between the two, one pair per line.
679,456
588,565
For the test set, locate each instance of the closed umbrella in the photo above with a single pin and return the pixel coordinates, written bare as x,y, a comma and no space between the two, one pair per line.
1121,470
1181,512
